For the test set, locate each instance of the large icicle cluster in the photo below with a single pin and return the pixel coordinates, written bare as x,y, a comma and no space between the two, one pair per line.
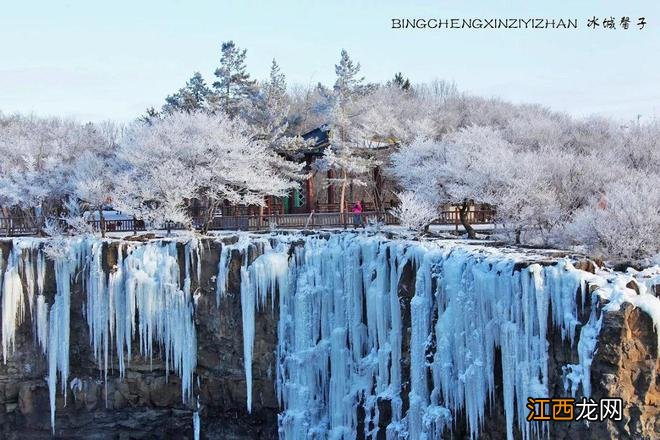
145,283
259,279
26,263
354,336
342,341
142,295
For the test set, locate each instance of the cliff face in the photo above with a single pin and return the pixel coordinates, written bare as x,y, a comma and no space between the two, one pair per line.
147,404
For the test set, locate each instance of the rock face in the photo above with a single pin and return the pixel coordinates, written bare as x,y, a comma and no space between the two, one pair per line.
627,366
146,404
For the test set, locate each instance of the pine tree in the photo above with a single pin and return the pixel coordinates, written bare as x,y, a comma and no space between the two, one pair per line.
348,82
191,98
346,135
401,82
234,88
269,112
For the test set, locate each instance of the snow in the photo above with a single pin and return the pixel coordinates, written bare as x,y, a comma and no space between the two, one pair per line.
341,336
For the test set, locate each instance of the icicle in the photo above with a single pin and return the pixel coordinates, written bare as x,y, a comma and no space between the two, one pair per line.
197,424
66,263
258,280
248,311
13,300
340,328
42,322
152,290
221,279
340,336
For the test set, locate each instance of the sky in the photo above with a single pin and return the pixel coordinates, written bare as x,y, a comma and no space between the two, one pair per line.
111,60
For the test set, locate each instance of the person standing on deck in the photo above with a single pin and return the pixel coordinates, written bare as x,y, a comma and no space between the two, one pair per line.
357,214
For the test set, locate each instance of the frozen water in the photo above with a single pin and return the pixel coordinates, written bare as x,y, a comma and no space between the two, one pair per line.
352,338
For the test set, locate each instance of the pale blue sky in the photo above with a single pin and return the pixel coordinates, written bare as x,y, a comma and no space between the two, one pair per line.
114,59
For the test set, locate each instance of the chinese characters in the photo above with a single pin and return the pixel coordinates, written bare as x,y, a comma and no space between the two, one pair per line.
566,409
624,23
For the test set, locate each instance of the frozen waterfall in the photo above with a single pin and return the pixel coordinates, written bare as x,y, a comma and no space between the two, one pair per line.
374,335
343,345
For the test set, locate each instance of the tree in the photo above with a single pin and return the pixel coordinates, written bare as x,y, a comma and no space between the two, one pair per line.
348,83
455,170
414,211
401,82
346,151
197,155
234,88
193,97
39,157
626,225
268,115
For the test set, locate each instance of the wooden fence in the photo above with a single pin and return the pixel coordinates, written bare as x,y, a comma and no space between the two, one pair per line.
476,217
298,221
17,226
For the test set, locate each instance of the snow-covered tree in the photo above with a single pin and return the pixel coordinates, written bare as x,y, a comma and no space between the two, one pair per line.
346,152
414,211
93,181
199,155
268,116
39,156
624,222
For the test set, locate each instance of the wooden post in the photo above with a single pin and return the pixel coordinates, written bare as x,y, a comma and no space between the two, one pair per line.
261,216
309,187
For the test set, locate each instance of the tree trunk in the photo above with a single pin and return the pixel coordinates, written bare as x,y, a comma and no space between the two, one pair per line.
209,216
331,188
101,222
462,215
518,232
342,197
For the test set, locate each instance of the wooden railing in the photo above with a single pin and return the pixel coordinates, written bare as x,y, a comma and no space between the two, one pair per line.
17,226
477,217
128,225
298,221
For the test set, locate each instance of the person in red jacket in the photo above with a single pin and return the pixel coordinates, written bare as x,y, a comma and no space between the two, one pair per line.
357,214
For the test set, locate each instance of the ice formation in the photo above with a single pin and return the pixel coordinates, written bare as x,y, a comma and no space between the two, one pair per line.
353,337
24,262
342,340
145,282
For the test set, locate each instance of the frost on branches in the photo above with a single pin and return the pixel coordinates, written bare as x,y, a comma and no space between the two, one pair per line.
414,211
187,155
552,179
544,192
